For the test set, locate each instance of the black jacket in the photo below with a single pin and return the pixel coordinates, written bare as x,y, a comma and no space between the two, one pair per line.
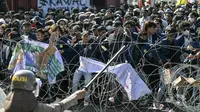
86,50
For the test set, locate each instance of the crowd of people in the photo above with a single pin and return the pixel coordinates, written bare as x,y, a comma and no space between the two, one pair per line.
157,36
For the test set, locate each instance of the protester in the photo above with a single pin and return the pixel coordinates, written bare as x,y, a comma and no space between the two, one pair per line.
40,36
150,56
157,36
86,48
144,18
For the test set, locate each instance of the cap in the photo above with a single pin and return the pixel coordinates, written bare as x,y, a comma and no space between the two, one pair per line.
50,13
26,24
27,12
50,22
118,12
75,10
127,16
36,18
66,13
103,10
168,11
144,10
82,17
195,44
132,23
94,27
16,15
109,22
171,29
101,28
85,32
117,23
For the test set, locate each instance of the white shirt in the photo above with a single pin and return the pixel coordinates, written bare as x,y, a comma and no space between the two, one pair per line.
142,21
187,41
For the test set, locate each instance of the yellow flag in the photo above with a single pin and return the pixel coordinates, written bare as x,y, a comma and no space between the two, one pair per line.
181,2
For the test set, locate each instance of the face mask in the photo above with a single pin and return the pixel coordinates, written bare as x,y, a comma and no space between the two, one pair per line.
109,27
191,20
186,33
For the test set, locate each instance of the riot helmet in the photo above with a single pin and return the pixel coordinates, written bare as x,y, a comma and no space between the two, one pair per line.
24,80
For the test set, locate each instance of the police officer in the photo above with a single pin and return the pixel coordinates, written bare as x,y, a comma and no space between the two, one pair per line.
22,99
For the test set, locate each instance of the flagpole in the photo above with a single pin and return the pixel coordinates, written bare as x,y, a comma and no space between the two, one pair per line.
106,66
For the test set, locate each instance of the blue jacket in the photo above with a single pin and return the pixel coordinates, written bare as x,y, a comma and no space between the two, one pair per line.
149,51
88,50
168,50
180,40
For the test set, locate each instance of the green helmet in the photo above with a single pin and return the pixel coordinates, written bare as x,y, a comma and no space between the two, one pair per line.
24,80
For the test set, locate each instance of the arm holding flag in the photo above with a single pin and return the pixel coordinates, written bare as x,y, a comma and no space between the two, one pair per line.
35,56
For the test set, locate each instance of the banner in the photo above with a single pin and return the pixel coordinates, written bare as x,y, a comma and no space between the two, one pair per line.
126,76
41,58
65,4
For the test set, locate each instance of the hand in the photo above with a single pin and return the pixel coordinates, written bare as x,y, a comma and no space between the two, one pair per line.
51,44
168,64
19,45
61,51
197,55
191,56
80,93
143,37
53,37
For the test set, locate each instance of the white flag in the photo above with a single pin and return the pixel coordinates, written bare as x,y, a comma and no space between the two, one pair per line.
2,98
126,76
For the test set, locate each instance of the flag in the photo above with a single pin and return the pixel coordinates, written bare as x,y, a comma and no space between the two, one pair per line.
126,76
181,2
2,98
40,58
141,3
151,2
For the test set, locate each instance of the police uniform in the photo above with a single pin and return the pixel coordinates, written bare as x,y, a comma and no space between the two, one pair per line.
57,107
22,99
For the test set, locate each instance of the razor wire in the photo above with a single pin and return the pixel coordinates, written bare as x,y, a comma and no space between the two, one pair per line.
106,90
